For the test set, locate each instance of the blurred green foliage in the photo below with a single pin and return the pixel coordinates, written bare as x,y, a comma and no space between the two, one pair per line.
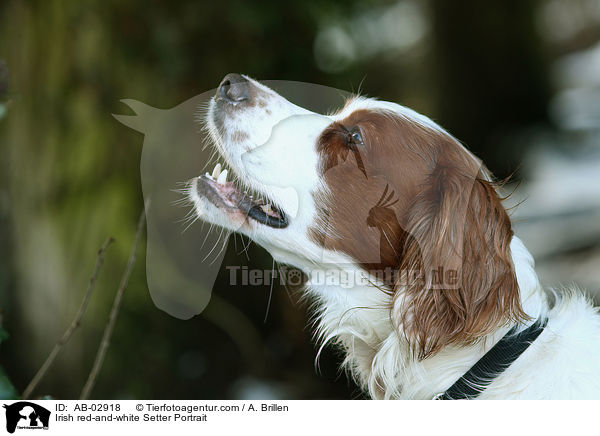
7,390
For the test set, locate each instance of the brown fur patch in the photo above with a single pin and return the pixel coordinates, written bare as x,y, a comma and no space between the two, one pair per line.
412,200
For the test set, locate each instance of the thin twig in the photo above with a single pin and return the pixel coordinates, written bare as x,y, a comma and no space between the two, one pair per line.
100,355
74,325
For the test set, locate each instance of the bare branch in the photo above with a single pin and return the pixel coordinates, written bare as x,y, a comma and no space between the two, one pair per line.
100,355
74,325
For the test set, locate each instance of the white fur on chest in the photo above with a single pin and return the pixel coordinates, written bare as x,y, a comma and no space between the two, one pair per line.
377,355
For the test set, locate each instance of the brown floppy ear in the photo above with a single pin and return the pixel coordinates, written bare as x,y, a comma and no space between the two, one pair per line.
457,280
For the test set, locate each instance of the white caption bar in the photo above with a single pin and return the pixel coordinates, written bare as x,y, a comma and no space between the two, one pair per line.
296,417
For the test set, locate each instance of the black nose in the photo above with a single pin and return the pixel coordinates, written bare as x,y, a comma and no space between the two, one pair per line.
234,88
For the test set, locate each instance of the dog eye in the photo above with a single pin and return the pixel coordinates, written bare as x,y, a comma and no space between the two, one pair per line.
355,137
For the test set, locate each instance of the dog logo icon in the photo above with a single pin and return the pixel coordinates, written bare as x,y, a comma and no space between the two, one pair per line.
26,415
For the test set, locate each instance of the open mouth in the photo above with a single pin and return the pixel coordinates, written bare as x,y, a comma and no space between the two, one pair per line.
226,196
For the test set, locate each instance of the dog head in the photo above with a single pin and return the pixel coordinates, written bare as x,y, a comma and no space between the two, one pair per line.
375,187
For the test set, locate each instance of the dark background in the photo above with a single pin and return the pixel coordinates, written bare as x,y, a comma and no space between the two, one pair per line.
504,76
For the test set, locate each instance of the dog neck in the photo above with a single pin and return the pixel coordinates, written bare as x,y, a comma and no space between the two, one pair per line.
378,356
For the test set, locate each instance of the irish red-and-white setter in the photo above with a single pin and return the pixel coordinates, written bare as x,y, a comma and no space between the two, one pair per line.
382,194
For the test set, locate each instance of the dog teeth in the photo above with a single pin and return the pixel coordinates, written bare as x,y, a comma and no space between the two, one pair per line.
222,178
218,175
217,171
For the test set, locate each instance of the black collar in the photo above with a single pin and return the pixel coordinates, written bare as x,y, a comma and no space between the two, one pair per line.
493,363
